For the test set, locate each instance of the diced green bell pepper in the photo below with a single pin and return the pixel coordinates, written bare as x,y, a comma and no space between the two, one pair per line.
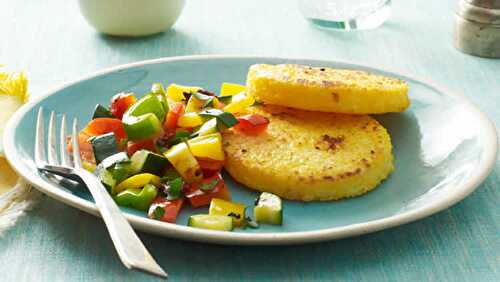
143,127
147,104
143,120
139,199
161,94
157,88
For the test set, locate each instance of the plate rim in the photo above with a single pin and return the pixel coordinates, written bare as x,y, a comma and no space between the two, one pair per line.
271,238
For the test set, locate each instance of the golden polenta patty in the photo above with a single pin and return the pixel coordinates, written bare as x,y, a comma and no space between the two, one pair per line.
327,89
310,156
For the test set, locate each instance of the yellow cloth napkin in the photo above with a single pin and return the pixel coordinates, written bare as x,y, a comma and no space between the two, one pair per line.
16,196
8,178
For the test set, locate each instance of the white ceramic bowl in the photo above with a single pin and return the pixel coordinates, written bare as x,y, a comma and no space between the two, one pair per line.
131,17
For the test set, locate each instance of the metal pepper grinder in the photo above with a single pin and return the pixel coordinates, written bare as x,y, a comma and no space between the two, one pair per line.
477,27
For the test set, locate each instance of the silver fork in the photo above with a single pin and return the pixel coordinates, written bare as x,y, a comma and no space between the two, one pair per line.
131,251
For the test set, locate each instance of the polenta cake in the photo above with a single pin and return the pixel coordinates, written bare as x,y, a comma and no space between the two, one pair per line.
326,89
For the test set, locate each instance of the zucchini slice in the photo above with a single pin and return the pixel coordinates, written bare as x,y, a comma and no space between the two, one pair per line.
101,112
107,180
212,222
144,161
268,209
104,146
207,128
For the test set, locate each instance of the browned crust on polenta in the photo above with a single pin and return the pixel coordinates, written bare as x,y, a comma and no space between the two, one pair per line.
310,156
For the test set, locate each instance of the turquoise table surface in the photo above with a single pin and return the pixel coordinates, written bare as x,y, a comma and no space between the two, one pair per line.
52,42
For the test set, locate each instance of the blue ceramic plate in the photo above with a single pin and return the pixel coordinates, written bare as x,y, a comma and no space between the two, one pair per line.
444,147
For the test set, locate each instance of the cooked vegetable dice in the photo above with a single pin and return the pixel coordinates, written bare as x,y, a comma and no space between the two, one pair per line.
144,127
147,104
107,180
207,128
136,198
184,162
197,101
231,89
207,146
101,112
234,210
176,91
212,222
268,209
189,120
226,119
240,103
144,161
165,210
104,146
137,181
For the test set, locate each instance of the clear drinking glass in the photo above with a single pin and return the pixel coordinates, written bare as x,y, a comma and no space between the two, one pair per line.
346,14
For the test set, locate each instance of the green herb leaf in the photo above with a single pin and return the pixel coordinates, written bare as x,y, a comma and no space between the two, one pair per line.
209,186
159,212
225,99
170,175
227,119
180,136
235,215
175,188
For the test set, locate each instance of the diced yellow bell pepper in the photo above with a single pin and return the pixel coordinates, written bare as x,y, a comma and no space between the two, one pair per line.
88,166
216,102
137,182
193,105
190,120
240,103
176,91
230,89
184,162
234,210
207,146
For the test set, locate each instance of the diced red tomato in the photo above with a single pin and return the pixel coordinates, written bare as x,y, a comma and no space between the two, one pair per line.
86,150
120,103
252,124
97,127
167,210
101,126
173,115
134,146
210,167
199,198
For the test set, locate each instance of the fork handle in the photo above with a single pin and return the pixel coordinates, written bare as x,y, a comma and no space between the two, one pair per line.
130,249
